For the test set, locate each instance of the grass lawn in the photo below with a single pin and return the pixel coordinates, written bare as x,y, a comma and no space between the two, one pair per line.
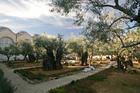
108,81
35,75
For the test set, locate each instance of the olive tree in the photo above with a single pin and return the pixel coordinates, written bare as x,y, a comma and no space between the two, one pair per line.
38,48
15,51
103,19
26,49
54,53
78,45
105,13
7,51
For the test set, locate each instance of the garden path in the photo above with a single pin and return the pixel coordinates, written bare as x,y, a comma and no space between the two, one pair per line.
24,87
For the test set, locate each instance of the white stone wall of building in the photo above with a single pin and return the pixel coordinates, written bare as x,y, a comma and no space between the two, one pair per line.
6,32
24,36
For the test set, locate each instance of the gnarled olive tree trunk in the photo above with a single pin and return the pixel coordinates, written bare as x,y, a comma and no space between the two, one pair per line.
122,63
52,61
59,55
84,58
48,60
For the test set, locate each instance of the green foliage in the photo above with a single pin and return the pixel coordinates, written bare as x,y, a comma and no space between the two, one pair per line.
76,45
82,89
79,87
5,85
8,51
26,48
66,4
57,90
97,31
101,76
101,17
15,50
38,48
95,7
136,53
98,77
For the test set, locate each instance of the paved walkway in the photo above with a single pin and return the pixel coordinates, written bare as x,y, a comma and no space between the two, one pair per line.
16,80
24,87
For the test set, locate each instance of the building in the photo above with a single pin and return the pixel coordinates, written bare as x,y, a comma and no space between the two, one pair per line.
24,36
8,37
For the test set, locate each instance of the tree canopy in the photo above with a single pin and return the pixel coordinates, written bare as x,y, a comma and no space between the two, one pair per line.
101,18
130,9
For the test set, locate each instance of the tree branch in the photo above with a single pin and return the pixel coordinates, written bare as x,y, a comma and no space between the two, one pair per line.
116,6
101,5
131,45
116,2
119,37
124,10
123,17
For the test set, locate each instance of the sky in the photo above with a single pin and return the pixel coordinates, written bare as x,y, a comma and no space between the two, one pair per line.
34,17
